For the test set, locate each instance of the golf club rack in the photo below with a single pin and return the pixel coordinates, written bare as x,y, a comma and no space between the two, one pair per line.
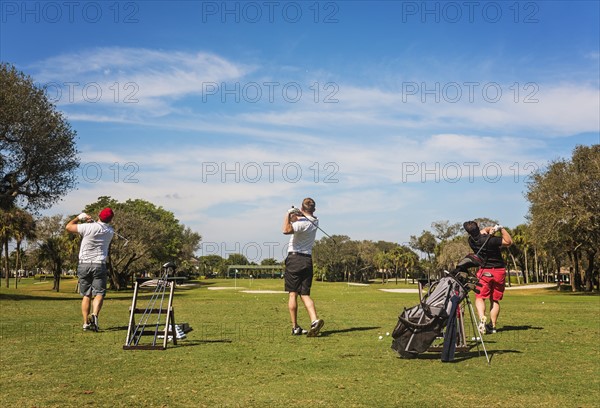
164,327
441,313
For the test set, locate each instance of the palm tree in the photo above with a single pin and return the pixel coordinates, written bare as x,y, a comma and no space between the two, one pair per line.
6,232
51,252
383,262
24,229
16,224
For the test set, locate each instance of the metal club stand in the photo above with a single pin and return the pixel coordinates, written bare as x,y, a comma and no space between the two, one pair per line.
477,334
158,330
461,339
166,329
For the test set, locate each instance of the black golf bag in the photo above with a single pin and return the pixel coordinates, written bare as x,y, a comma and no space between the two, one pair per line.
420,325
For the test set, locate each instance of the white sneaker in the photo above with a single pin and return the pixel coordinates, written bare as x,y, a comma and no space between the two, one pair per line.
298,331
481,326
315,327
93,322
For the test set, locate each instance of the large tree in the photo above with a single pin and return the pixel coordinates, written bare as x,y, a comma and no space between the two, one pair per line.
38,156
152,235
425,243
452,251
444,230
565,213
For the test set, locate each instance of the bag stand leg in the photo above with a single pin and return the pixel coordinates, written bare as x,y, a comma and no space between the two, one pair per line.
477,334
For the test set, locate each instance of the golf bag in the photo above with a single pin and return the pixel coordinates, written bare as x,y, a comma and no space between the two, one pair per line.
419,326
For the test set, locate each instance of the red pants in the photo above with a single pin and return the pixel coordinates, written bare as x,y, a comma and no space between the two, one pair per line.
491,286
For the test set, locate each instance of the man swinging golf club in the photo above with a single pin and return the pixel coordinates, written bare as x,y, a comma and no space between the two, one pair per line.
492,274
302,225
91,270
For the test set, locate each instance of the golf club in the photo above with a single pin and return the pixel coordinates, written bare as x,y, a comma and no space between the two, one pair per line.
298,211
116,233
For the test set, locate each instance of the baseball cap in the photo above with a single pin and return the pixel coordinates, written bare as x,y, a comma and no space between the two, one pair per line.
106,215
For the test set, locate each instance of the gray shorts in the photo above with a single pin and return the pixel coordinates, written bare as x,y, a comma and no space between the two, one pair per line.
92,279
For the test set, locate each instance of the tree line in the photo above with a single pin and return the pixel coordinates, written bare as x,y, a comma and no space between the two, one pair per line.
563,233
152,236
39,158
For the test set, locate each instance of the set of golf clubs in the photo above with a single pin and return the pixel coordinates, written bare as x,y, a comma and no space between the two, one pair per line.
158,297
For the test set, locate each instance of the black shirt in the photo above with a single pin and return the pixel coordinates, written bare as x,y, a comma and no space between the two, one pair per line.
490,253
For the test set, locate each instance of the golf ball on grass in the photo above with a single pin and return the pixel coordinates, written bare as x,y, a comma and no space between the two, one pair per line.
380,337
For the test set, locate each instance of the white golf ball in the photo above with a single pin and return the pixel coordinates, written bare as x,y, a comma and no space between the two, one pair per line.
387,333
380,337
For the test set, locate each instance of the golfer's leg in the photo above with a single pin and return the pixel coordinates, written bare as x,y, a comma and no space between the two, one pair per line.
293,307
310,307
85,308
494,312
97,304
480,306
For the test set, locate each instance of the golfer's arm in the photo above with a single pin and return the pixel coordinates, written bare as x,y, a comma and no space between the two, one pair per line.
506,238
287,225
486,230
72,225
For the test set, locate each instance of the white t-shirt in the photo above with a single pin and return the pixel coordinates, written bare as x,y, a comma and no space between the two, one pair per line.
303,238
96,239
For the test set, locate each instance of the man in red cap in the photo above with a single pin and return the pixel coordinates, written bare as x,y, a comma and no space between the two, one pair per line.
93,254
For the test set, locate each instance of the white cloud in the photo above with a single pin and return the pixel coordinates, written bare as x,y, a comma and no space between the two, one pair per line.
156,80
386,154
132,78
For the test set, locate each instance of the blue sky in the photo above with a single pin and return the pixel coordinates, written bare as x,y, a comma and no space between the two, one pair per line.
391,115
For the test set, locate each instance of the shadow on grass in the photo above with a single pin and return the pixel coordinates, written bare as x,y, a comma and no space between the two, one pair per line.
566,290
180,342
519,328
114,328
463,356
15,296
191,343
348,330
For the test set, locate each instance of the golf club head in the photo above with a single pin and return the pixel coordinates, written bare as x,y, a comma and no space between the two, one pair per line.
469,261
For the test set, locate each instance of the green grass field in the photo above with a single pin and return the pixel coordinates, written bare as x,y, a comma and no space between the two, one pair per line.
240,352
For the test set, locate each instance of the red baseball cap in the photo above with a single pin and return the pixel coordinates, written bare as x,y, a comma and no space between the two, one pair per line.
106,215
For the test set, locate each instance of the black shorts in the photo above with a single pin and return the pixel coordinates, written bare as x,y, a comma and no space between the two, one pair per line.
298,273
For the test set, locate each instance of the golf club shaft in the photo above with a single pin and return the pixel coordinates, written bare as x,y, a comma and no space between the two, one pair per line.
116,233
313,223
